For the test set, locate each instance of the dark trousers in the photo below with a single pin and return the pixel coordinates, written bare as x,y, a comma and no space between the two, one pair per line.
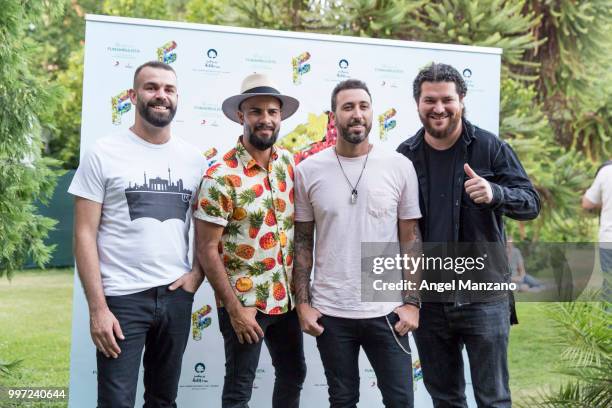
483,328
388,353
157,320
283,337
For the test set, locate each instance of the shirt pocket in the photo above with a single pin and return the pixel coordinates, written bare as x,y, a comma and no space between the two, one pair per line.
381,204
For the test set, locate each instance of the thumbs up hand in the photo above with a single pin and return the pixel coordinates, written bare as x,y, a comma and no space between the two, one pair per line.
476,187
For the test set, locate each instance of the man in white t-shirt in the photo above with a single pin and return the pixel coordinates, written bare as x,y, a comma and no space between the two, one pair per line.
599,196
132,219
351,194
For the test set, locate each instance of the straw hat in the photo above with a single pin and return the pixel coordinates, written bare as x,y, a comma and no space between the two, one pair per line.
258,85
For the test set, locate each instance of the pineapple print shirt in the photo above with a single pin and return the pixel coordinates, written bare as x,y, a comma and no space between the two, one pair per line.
255,205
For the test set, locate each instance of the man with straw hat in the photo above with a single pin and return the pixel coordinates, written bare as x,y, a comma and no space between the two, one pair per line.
244,225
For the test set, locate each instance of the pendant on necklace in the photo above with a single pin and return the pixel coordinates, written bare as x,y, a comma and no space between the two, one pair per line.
354,196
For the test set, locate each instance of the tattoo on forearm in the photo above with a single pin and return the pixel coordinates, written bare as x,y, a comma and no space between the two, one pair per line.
411,243
304,242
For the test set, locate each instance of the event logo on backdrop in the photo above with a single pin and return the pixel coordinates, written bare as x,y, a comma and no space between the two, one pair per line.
167,52
417,373
300,67
120,105
123,55
343,73
258,62
386,123
211,62
200,321
390,76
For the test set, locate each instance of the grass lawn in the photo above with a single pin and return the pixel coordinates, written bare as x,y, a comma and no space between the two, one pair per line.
35,317
534,352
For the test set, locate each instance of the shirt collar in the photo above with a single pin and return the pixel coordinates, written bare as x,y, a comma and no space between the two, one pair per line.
247,160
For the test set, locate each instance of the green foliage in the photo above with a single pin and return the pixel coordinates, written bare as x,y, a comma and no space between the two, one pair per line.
587,357
205,11
25,176
557,173
66,122
370,18
153,9
288,15
575,82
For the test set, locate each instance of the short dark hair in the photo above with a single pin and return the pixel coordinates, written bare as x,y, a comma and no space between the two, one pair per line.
436,72
348,84
153,64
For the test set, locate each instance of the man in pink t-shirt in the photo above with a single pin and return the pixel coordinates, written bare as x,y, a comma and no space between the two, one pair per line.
349,194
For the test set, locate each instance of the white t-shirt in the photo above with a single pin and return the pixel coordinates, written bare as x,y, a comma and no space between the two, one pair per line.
145,191
601,193
388,191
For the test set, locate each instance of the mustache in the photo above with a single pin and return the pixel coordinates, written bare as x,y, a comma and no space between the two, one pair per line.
264,127
357,123
159,103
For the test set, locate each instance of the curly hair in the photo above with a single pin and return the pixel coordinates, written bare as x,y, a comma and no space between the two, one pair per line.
437,72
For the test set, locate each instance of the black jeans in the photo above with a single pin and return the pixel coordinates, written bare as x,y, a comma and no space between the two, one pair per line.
388,353
483,328
283,337
157,320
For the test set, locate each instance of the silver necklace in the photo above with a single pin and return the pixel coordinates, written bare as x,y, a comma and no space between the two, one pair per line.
353,188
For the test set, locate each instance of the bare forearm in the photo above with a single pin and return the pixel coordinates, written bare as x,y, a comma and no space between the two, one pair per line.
88,267
195,265
411,244
214,270
304,242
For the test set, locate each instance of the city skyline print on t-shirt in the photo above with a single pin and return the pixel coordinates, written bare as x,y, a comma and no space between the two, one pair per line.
158,198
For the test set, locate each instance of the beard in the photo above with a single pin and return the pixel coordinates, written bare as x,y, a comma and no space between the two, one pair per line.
257,142
155,118
352,137
437,133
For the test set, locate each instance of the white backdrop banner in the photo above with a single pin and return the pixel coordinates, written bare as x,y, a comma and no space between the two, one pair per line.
211,62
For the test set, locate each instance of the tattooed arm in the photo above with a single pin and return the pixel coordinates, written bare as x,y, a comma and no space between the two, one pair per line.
304,242
411,244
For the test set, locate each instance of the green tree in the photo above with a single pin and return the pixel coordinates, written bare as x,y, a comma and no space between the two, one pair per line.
205,11
153,9
25,176
575,81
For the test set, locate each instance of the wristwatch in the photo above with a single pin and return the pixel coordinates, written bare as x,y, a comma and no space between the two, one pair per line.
412,300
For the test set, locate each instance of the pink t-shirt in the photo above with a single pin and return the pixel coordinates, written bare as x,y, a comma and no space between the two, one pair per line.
388,191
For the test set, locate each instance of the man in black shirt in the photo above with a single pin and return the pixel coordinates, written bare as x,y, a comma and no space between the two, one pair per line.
468,179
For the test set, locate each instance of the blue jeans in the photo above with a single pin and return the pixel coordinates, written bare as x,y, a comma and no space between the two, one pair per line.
157,320
283,337
388,353
483,328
